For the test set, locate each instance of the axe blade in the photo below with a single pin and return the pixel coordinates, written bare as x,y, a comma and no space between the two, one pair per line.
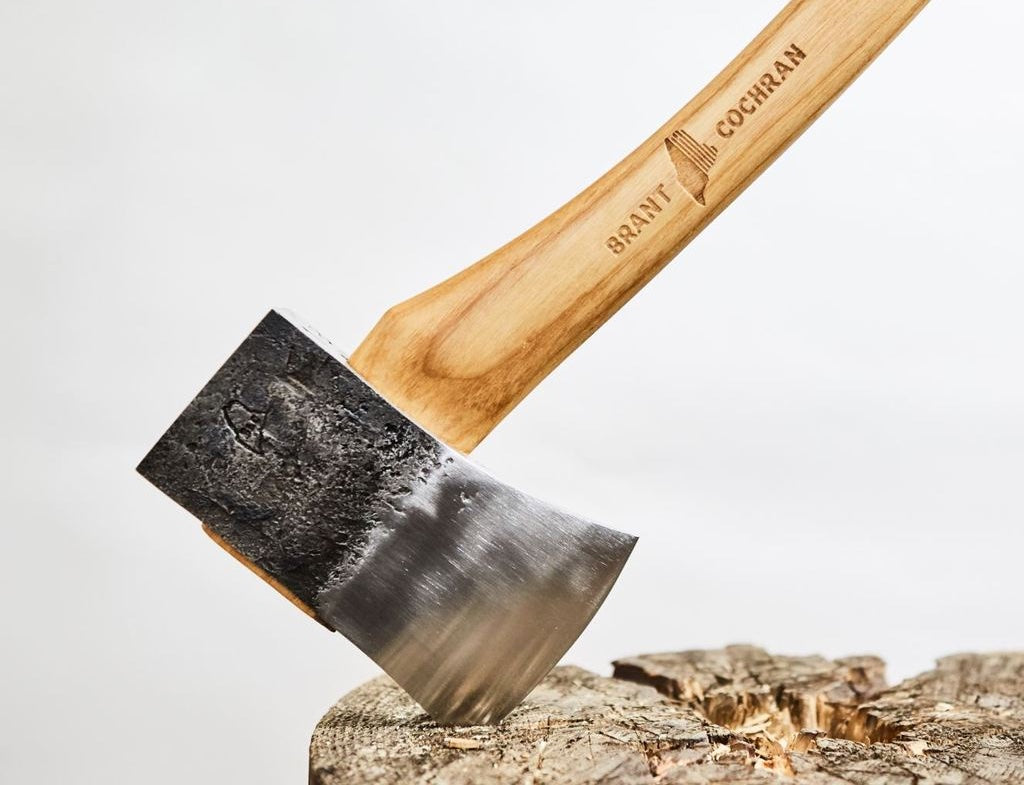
465,590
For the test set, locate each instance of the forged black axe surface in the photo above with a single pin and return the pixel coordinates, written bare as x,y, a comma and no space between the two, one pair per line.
465,590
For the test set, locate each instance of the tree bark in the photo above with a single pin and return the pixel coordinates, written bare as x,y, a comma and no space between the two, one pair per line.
734,716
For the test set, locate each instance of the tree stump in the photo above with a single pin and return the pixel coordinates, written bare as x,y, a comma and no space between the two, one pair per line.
735,716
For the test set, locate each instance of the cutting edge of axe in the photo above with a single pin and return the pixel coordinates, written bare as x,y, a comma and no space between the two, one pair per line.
342,483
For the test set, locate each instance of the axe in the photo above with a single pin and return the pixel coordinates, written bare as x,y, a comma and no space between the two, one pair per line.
344,483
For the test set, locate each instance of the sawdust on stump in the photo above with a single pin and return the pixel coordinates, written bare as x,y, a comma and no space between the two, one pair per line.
738,715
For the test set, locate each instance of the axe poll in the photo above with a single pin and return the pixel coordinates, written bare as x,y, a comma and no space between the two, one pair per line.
344,484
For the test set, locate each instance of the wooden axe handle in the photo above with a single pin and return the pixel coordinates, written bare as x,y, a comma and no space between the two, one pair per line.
458,357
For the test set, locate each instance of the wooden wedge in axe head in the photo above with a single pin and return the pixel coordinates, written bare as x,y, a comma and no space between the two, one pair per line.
344,484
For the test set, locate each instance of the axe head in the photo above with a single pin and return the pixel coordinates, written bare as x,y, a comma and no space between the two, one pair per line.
465,590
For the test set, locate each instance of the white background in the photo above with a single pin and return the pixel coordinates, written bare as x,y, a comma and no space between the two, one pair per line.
814,419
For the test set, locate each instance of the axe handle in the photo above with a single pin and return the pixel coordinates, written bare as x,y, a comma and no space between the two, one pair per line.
458,357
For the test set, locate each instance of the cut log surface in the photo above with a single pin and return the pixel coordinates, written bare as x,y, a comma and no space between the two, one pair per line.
738,715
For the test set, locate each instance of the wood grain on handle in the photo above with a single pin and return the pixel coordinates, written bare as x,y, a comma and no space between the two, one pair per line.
460,356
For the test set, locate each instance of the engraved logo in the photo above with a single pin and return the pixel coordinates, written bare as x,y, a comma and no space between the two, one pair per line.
246,425
693,162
